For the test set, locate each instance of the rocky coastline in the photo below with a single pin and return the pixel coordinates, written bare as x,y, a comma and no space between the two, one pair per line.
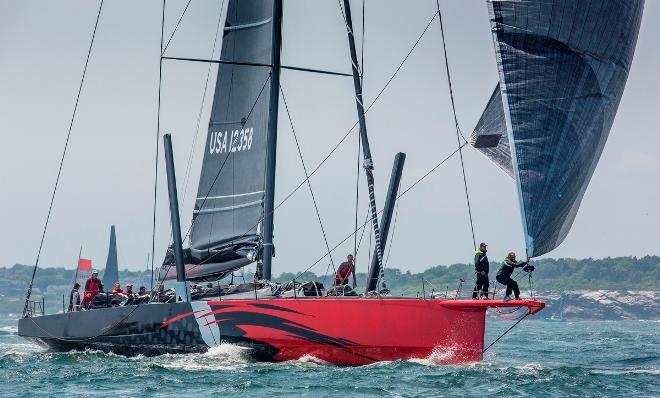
601,305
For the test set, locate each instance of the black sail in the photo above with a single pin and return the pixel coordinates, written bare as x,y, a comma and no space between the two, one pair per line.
111,272
226,231
489,136
563,65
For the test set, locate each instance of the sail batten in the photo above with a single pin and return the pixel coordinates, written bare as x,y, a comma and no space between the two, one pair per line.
562,66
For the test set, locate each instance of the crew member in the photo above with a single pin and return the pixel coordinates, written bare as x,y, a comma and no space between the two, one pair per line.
74,298
130,294
345,269
505,271
117,288
142,291
481,269
93,286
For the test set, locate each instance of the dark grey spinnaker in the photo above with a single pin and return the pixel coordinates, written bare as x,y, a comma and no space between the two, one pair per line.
562,65
227,217
111,273
490,137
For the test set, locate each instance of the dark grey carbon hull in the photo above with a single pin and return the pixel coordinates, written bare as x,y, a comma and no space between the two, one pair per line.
129,330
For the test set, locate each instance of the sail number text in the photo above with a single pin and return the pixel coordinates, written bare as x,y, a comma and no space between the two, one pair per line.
231,141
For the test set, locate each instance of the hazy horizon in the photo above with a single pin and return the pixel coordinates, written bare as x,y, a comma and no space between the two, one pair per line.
107,177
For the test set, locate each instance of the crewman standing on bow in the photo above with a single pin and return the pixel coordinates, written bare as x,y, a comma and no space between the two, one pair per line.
481,269
505,271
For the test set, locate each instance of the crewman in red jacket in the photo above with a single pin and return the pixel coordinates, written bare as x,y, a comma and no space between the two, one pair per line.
346,269
93,286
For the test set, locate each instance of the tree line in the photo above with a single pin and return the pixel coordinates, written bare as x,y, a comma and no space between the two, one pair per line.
611,273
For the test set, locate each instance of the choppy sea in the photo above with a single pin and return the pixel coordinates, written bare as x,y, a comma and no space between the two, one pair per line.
538,358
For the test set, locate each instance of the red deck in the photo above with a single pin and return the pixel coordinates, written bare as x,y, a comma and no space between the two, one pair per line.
357,331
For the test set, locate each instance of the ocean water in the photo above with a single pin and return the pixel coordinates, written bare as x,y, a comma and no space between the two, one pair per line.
540,359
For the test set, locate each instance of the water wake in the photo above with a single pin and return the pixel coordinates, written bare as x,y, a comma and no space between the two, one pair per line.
223,357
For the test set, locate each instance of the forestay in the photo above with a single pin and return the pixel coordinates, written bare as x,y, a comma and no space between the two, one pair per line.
562,66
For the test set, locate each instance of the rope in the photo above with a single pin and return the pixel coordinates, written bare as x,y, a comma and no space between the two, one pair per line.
162,52
502,335
458,135
160,81
309,183
59,171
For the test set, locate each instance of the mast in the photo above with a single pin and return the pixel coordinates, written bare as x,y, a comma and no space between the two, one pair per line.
181,287
271,142
366,150
376,272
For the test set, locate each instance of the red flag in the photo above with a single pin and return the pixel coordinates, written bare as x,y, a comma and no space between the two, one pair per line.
84,264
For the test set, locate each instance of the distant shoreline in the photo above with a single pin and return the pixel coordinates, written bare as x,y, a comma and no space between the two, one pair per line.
587,289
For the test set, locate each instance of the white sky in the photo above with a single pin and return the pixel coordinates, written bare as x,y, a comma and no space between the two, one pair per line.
108,174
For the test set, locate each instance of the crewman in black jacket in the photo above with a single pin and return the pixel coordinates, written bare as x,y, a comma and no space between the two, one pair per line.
505,271
481,269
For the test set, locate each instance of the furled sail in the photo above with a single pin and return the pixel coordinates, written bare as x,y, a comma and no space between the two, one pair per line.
490,137
111,272
562,65
229,205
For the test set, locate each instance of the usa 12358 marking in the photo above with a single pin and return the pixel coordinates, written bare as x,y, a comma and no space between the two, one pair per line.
231,141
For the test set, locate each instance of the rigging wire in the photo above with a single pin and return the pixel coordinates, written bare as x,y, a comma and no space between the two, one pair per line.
359,146
343,139
366,217
414,184
309,183
160,81
389,249
201,108
458,134
162,50
357,193
362,47
507,331
59,171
